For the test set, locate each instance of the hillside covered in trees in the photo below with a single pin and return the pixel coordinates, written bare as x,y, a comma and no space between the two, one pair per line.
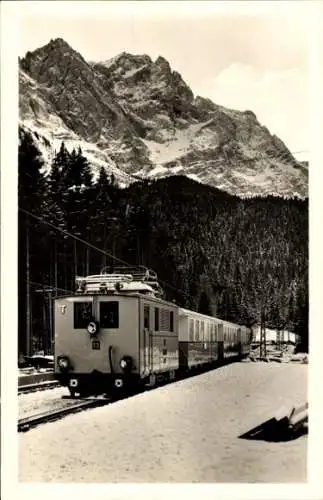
245,260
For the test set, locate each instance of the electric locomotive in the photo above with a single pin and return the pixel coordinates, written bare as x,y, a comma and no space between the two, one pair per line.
118,333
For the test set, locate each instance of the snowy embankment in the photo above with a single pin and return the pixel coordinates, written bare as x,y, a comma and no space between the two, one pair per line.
184,432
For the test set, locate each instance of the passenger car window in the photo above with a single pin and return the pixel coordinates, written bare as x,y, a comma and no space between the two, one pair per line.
109,314
202,330
82,314
192,330
197,330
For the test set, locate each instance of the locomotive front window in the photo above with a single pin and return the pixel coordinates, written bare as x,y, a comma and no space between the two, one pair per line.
109,314
82,314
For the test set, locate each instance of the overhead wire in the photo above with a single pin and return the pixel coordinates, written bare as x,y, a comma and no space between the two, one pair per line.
71,235
90,245
45,285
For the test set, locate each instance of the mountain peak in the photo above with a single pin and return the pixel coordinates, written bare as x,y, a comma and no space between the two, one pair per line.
162,62
50,58
54,45
141,118
126,61
59,42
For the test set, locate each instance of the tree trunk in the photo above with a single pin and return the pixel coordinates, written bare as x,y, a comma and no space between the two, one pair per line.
28,301
263,349
75,259
87,259
45,328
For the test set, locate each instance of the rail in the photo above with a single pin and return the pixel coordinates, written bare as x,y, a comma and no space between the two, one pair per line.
40,386
26,423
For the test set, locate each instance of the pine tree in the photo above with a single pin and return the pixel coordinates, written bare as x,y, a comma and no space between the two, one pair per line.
30,178
30,190
84,168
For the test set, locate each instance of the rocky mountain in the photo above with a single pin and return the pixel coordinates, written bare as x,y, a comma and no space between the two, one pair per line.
139,119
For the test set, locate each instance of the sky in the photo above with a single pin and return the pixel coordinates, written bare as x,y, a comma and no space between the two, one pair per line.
250,55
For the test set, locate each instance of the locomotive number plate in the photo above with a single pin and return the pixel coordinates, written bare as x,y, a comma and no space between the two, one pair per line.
96,345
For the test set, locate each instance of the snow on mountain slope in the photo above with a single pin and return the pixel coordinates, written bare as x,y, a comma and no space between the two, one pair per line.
182,141
137,117
49,141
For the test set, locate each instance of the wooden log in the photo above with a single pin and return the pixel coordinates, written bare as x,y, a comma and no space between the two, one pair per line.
298,417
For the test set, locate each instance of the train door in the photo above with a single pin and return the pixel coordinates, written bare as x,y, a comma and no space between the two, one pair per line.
147,338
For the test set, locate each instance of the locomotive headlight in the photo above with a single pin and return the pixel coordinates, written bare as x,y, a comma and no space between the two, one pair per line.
123,364
118,286
92,328
126,363
63,363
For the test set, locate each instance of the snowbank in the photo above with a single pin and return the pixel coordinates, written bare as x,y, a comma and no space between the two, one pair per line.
184,432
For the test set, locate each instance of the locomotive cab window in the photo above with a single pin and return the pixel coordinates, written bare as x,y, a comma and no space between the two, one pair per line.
146,316
156,320
171,321
109,314
82,314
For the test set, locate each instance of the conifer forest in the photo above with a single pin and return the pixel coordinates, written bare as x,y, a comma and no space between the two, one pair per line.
245,260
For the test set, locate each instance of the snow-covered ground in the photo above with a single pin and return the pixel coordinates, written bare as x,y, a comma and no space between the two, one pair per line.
37,402
183,432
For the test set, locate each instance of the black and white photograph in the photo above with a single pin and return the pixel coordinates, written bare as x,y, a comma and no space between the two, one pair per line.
160,270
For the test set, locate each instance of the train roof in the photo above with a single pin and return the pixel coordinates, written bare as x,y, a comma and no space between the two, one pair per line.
188,312
127,280
116,295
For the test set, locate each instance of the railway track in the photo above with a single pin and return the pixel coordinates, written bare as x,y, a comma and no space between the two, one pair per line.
26,423
39,386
